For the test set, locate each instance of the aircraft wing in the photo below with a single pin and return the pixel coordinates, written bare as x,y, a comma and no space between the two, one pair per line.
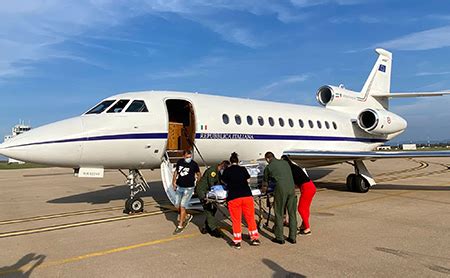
322,158
408,95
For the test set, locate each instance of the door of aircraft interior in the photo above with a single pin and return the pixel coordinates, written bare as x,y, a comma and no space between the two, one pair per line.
181,136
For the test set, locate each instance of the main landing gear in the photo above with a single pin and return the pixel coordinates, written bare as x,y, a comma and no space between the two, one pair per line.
137,183
361,180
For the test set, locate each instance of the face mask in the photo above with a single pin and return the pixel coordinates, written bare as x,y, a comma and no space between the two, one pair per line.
188,160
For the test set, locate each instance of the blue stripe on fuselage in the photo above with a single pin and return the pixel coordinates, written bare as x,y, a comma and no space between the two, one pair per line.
242,136
214,136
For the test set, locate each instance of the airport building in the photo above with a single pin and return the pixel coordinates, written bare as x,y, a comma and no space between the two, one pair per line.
16,130
409,147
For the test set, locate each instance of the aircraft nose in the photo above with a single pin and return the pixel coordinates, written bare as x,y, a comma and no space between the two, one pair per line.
59,143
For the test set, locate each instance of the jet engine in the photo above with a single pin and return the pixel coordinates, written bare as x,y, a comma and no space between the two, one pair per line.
380,122
336,96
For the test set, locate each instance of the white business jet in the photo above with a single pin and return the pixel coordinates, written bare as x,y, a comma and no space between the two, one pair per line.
148,130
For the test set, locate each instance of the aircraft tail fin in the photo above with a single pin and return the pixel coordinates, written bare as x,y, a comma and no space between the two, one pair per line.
379,81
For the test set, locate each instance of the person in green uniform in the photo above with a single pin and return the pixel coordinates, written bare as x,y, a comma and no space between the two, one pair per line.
280,172
210,177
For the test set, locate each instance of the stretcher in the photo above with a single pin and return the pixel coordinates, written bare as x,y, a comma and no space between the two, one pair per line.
263,201
263,204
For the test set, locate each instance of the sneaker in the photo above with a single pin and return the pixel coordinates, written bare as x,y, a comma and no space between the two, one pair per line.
237,246
303,233
178,230
255,242
187,220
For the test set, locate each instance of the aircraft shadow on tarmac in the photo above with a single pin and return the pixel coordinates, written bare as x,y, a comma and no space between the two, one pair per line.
279,271
23,267
121,192
110,193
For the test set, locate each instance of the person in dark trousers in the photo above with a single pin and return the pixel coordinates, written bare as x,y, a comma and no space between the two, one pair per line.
240,201
210,177
183,182
284,195
307,192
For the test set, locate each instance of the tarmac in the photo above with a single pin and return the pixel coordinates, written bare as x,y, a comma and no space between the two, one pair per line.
53,224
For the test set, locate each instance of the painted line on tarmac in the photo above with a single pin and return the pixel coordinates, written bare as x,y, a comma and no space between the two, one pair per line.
81,224
100,253
70,213
423,165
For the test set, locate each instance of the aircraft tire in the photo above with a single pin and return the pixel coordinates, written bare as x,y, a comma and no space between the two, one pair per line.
351,182
360,184
134,205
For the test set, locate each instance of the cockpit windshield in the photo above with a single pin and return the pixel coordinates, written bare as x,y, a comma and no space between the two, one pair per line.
101,107
137,106
119,106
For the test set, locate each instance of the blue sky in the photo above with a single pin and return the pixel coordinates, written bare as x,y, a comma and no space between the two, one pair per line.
58,58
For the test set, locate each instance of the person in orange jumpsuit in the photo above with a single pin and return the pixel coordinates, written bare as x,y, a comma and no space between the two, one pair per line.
240,201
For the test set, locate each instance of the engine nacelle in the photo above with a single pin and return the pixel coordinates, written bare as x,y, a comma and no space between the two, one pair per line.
336,96
380,122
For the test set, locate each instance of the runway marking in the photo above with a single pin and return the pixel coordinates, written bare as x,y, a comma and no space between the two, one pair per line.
423,165
80,224
70,213
101,253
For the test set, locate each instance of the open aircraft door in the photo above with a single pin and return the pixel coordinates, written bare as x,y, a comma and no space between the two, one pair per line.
167,170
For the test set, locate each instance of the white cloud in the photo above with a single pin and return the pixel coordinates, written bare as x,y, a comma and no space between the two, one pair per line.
279,85
426,117
424,40
308,3
203,67
38,30
358,19
287,80
429,73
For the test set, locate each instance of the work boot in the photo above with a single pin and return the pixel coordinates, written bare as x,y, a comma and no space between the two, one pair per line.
216,233
279,241
291,240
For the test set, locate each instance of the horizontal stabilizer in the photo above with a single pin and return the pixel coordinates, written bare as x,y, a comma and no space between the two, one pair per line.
406,95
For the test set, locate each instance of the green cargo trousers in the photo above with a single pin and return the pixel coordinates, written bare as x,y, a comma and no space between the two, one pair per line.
211,223
289,201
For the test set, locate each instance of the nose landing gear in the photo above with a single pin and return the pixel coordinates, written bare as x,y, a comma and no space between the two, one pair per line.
137,183
362,180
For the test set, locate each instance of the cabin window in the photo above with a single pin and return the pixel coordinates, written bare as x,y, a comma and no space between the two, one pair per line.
137,106
334,125
119,106
291,123
311,124
238,120
260,121
249,120
281,121
300,123
327,125
225,119
319,124
271,121
99,108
